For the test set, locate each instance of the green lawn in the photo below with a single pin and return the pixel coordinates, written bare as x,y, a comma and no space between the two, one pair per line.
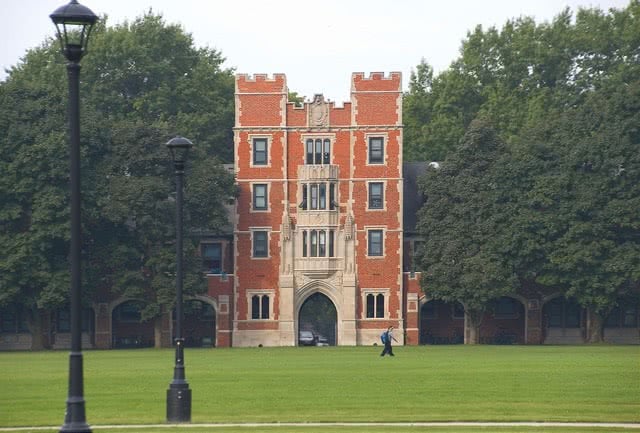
427,383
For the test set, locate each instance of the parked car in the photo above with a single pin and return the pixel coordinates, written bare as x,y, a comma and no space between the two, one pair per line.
306,338
321,340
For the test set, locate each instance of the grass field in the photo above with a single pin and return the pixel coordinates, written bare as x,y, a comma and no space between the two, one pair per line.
345,384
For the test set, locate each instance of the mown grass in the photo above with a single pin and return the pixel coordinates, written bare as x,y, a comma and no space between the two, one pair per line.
344,384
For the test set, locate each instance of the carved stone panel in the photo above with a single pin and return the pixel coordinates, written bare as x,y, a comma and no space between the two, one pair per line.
318,112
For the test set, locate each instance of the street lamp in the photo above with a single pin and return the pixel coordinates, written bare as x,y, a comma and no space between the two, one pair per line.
179,394
74,23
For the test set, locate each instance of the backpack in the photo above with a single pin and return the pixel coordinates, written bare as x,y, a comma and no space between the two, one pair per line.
384,337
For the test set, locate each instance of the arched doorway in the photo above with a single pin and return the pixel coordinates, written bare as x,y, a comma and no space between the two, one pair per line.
318,315
441,322
199,324
128,329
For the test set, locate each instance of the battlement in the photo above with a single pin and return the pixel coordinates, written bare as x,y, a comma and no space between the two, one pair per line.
376,82
261,83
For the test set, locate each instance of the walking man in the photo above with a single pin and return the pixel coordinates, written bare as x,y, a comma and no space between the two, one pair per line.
386,338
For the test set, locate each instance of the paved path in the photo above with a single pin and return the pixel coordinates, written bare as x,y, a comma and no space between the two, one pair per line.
630,426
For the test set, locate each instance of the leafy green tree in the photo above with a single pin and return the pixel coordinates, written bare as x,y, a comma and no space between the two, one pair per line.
142,83
461,223
596,255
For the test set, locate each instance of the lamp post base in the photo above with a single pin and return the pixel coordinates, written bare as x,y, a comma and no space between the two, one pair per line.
178,404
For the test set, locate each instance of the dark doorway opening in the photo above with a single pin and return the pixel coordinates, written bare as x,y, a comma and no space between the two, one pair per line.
199,324
318,315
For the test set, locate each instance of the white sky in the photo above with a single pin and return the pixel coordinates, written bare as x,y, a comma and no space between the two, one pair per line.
316,44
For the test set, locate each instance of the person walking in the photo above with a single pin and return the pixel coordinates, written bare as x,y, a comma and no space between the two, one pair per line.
386,338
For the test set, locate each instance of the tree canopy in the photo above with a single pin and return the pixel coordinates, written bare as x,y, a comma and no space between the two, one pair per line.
142,83
555,207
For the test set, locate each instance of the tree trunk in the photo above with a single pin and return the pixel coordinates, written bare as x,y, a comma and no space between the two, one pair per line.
595,327
472,321
157,332
34,322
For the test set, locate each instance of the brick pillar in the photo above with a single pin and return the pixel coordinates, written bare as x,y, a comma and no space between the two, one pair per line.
102,326
533,331
223,322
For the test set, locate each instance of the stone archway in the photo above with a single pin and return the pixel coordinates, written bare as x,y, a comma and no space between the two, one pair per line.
127,328
504,322
318,314
441,322
199,323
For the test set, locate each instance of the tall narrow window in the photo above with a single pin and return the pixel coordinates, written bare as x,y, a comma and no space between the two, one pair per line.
260,196
309,151
376,150
314,243
255,307
264,311
322,188
376,195
371,306
375,243
379,305
314,196
326,151
322,243
318,153
260,244
332,196
303,203
260,156
304,243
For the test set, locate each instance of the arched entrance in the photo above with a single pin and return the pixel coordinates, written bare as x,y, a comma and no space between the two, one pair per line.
504,322
441,322
319,316
199,324
128,329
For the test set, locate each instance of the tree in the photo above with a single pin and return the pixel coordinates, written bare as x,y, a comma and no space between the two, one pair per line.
516,75
460,221
597,253
142,83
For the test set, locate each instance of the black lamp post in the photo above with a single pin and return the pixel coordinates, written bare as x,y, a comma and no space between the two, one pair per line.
74,23
179,394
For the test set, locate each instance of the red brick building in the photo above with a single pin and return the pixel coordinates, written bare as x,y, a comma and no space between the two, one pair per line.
320,240
318,233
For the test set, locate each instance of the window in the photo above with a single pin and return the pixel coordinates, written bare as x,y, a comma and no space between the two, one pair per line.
304,243
332,196
375,306
260,151
318,243
376,150
376,195
314,243
260,307
260,245
303,203
314,196
318,151
375,243
211,254
260,196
